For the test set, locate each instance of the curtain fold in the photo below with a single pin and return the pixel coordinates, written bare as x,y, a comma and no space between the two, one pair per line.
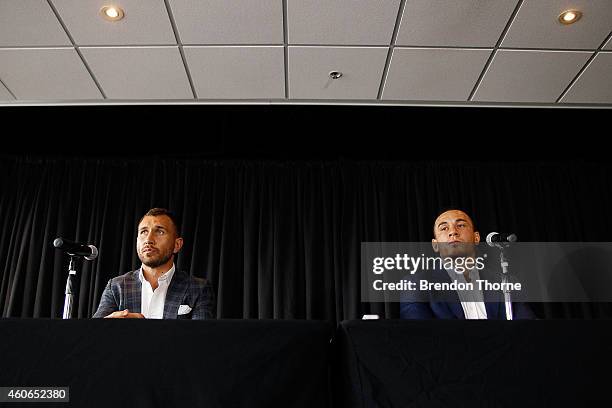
277,239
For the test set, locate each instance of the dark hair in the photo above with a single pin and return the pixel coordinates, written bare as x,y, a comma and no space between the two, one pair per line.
154,212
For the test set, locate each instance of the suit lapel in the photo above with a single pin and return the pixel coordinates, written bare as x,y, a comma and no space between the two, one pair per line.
451,300
457,309
133,292
493,311
493,299
175,295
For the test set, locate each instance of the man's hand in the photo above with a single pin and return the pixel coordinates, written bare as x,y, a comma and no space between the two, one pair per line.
124,314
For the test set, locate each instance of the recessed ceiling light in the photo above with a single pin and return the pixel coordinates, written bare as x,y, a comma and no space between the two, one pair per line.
569,16
335,74
112,13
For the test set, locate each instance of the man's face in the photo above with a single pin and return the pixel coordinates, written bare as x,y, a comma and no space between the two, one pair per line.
157,240
454,234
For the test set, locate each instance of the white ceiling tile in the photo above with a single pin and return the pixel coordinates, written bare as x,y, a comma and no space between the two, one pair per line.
595,84
5,95
139,72
237,72
228,22
145,22
29,23
529,76
354,22
536,25
233,50
46,73
433,74
467,23
361,67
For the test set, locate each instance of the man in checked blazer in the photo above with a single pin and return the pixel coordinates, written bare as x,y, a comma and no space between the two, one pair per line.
156,290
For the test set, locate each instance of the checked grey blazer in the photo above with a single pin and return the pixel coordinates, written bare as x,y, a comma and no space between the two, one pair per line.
124,292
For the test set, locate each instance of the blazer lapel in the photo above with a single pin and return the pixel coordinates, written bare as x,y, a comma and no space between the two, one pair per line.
493,310
494,300
133,292
457,309
176,294
451,300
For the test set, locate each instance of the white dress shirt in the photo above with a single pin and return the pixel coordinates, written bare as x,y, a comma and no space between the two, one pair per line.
471,300
152,301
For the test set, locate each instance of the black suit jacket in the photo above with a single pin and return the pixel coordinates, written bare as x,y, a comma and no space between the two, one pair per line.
430,305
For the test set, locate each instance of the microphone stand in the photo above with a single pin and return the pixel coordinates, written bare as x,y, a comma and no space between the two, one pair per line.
503,259
68,300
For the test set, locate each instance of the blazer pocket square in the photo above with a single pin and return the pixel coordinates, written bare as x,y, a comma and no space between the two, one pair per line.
184,309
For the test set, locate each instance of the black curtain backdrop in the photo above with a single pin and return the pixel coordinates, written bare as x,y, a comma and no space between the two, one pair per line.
278,239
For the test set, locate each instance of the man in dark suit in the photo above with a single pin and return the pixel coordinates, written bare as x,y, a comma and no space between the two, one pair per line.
455,235
156,290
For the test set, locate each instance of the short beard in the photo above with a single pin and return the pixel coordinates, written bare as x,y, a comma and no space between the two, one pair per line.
158,262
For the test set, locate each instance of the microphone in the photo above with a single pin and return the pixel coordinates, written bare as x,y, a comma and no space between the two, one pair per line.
90,252
499,238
